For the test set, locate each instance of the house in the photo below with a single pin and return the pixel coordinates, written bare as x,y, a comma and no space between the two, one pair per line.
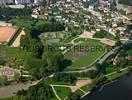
8,72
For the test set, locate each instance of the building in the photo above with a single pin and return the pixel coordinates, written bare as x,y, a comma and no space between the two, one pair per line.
22,1
8,72
6,1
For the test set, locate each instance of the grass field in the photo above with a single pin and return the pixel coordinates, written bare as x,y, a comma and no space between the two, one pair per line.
52,81
17,53
86,53
104,34
63,92
15,56
129,52
14,98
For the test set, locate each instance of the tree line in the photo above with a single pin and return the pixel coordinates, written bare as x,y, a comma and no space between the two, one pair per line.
7,13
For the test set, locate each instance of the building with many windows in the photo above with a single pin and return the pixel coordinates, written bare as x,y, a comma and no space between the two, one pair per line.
22,1
6,1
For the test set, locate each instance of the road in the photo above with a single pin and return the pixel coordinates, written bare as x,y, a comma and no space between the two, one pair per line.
11,90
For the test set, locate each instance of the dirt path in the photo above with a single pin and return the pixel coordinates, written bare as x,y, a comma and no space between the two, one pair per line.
55,92
86,34
79,84
16,43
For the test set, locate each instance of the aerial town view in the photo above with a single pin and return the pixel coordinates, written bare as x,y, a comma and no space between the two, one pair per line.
65,49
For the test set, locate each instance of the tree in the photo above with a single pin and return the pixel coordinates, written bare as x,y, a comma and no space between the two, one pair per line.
3,80
41,91
2,61
53,60
24,42
118,43
17,76
98,81
36,67
36,47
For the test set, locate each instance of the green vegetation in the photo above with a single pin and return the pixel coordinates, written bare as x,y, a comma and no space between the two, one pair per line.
87,88
16,56
3,80
129,52
14,98
67,78
126,2
85,54
111,68
37,26
41,91
78,92
80,40
2,61
7,13
23,22
117,75
63,92
104,34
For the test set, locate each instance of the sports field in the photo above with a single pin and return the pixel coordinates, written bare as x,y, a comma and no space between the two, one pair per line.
6,33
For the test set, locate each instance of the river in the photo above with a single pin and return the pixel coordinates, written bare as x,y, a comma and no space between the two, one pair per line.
120,89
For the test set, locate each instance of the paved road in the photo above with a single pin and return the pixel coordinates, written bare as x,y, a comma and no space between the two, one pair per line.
11,90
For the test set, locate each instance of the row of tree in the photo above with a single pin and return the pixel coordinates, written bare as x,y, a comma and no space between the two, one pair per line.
7,13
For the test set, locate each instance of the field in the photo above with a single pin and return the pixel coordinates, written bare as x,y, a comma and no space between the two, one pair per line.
104,34
86,53
17,53
126,2
63,92
14,98
6,33
14,56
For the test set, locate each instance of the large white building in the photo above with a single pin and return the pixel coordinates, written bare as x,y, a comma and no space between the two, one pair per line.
6,1
38,1
22,1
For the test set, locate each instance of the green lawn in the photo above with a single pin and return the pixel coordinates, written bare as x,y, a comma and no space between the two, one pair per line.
16,56
54,82
14,98
104,34
129,52
63,92
87,88
17,53
83,58
79,40
126,2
